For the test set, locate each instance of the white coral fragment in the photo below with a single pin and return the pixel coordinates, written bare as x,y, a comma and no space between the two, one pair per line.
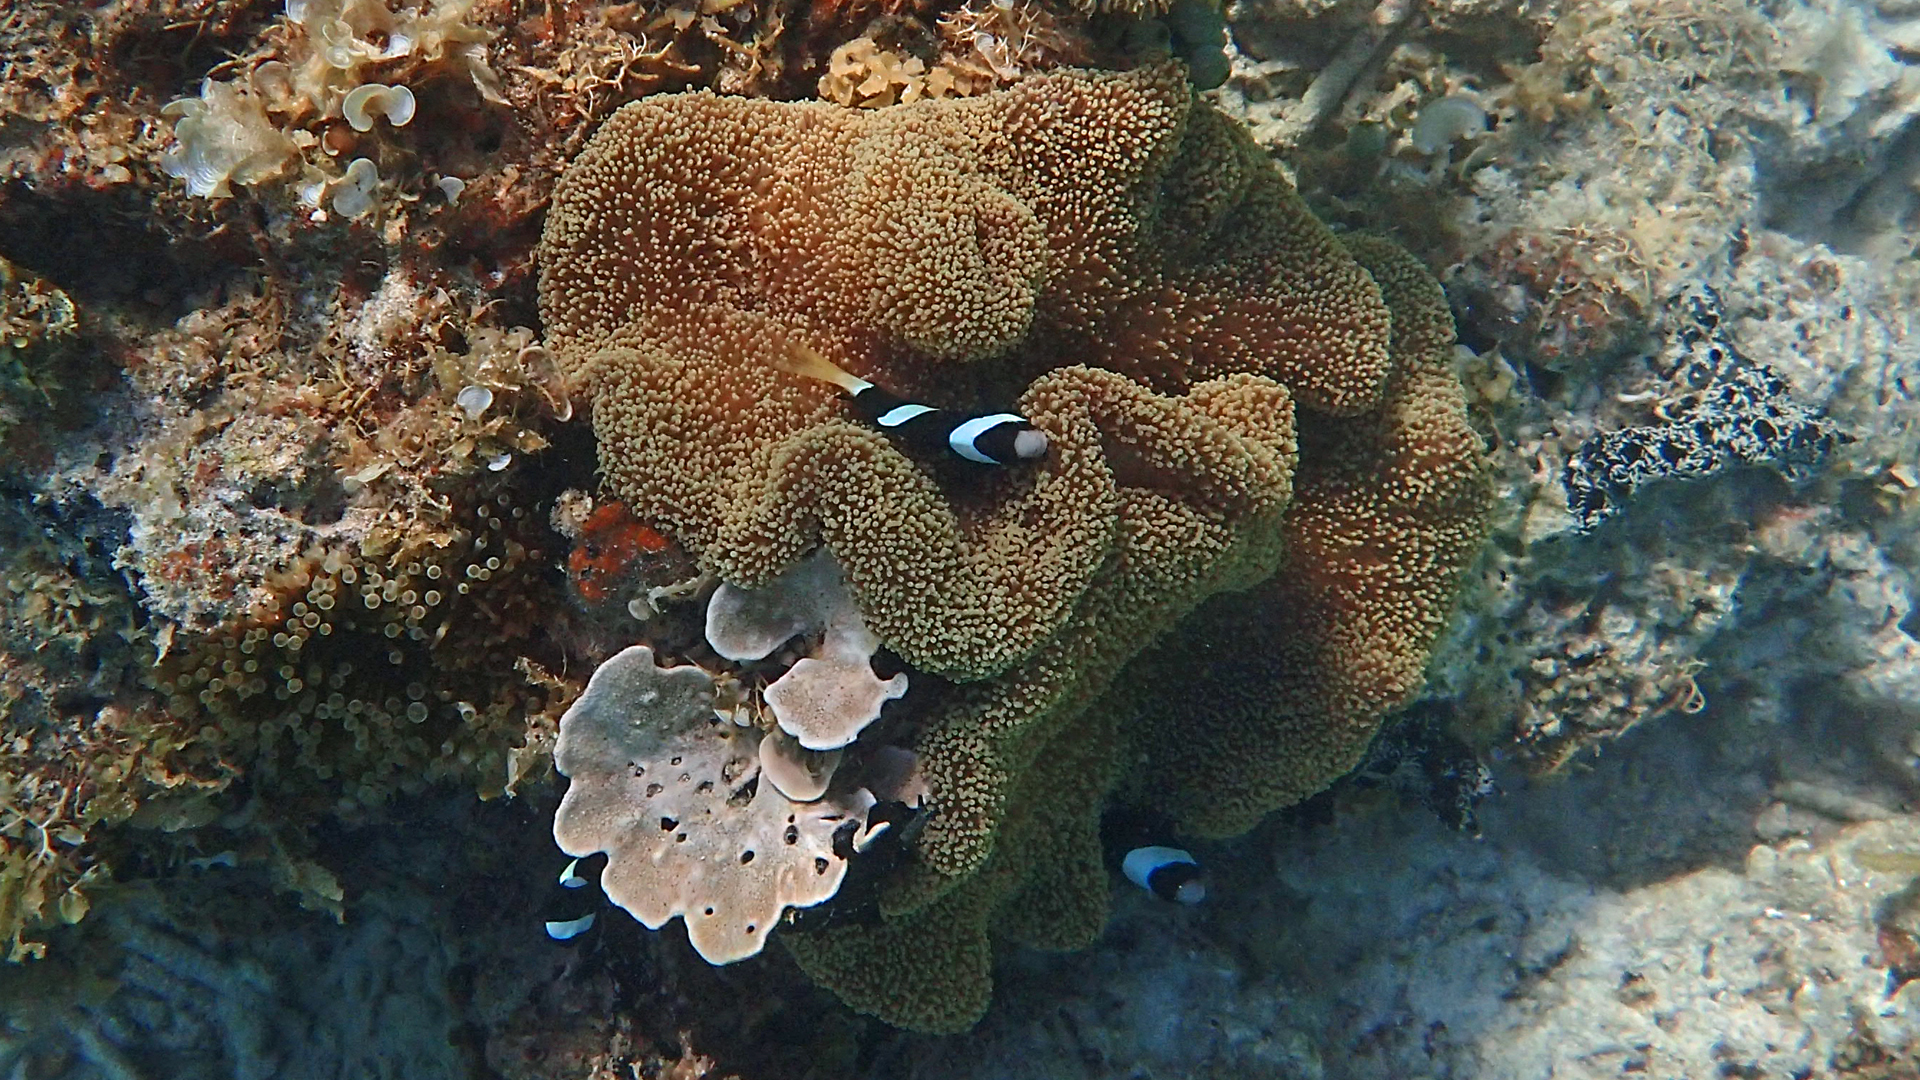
824,700
354,197
675,796
1446,121
363,103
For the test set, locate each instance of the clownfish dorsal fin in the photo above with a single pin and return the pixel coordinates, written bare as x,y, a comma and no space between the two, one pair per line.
809,363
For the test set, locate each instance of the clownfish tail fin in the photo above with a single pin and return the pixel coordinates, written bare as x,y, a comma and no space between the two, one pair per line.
809,363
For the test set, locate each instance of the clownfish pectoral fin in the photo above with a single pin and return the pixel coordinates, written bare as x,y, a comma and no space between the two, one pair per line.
809,363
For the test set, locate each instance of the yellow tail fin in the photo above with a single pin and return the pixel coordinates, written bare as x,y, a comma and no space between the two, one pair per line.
800,360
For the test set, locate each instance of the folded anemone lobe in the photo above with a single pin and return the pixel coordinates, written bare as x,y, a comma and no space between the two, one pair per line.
1222,390
1281,687
951,252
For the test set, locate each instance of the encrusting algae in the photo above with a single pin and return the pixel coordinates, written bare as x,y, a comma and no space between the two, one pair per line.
1231,395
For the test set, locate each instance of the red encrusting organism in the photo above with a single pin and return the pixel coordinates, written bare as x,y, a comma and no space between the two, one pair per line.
612,542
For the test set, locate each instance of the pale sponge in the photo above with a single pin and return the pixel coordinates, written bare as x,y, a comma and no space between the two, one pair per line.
673,794
824,700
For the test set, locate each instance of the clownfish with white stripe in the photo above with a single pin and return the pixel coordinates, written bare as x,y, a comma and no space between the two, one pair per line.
574,906
992,439
1166,872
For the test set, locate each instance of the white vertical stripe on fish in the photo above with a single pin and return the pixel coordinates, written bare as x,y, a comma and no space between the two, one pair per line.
900,414
963,438
570,928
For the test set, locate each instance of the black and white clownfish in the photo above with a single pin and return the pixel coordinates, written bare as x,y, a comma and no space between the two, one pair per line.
571,911
992,439
1166,872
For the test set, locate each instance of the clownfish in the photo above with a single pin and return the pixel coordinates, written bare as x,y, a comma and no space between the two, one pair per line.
993,439
1168,873
572,909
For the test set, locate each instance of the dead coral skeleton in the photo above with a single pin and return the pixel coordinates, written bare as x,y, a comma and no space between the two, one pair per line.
1727,410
